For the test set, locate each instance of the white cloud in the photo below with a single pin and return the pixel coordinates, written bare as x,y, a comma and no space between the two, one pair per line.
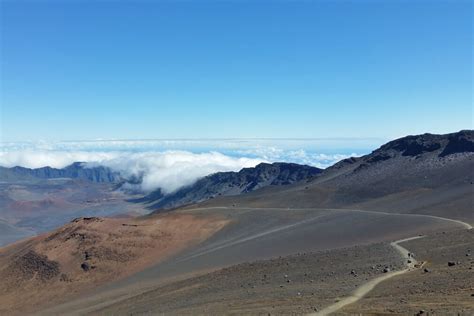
57,159
167,170
171,170
165,164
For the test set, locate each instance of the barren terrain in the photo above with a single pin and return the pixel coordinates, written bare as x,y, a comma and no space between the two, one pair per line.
87,252
338,242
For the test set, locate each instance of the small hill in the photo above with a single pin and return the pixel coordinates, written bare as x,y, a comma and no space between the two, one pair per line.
90,251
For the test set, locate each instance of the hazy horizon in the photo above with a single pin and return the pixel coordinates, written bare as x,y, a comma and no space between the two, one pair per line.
170,164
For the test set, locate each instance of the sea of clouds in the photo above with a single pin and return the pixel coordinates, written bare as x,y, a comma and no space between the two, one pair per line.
171,164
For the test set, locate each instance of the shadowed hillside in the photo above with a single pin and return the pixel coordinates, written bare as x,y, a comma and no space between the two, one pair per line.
429,174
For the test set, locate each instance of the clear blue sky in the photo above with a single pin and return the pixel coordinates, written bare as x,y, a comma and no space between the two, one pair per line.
199,69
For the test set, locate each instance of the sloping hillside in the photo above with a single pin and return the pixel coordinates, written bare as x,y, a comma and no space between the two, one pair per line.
429,174
375,196
90,251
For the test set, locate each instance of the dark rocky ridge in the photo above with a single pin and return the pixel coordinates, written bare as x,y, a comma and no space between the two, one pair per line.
462,141
412,166
419,146
233,183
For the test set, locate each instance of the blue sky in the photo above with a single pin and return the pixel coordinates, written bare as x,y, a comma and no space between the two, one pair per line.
234,69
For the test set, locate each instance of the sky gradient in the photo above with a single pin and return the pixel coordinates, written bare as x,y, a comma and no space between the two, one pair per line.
234,69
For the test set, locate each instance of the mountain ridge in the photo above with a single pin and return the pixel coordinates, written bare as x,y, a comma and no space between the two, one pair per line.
76,170
232,183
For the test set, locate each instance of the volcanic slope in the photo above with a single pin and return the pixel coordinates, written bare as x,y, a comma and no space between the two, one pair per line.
329,245
425,174
322,220
411,186
87,252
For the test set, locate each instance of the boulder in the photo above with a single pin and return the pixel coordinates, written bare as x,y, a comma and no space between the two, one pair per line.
85,266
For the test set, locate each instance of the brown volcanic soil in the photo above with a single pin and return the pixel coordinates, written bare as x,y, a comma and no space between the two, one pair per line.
432,184
295,284
87,252
262,234
445,290
307,282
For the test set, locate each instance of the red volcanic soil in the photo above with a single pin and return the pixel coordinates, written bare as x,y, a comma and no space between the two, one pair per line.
87,252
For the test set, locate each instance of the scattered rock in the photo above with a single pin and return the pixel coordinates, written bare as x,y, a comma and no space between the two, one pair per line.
64,278
85,266
33,264
426,270
386,270
451,263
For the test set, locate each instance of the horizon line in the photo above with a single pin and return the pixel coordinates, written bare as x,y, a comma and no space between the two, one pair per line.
203,139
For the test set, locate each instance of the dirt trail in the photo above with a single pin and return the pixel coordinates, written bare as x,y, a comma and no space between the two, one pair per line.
464,224
365,288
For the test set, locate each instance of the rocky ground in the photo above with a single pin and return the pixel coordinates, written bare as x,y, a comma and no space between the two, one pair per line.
295,284
445,286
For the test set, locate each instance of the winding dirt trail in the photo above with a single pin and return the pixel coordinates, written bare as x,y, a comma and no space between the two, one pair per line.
365,288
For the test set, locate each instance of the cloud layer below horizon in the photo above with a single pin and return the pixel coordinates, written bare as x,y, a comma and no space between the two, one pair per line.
168,165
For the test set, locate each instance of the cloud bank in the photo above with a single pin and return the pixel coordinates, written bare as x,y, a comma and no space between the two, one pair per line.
168,165
172,170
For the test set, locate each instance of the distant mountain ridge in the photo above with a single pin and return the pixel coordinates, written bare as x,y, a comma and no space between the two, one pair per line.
217,184
426,161
233,183
77,170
